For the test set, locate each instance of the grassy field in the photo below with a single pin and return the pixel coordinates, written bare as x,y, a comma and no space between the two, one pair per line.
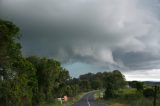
130,97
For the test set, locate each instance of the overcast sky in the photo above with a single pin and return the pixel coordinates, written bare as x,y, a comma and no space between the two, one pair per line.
91,35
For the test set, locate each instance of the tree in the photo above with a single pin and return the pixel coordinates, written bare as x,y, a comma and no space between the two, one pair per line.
17,75
113,81
96,84
109,86
137,85
119,79
63,83
48,72
74,84
85,85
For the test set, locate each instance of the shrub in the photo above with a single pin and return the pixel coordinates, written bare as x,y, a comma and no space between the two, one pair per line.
149,92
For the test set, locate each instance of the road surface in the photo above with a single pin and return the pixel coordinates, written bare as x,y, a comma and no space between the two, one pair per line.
88,100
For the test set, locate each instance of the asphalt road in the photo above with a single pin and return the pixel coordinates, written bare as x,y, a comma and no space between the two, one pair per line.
88,100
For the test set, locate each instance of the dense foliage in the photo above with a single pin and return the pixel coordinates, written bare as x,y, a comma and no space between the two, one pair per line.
114,81
136,84
149,92
17,75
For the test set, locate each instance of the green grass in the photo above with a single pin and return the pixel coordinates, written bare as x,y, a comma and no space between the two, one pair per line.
99,94
53,104
70,101
75,99
130,97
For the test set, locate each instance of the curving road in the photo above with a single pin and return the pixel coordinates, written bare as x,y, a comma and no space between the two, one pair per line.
88,100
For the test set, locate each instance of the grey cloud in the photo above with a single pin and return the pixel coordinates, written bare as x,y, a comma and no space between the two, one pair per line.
108,33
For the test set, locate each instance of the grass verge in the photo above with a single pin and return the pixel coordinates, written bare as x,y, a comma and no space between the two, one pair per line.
129,97
71,100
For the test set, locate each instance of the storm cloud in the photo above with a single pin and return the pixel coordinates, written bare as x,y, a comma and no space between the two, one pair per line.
111,34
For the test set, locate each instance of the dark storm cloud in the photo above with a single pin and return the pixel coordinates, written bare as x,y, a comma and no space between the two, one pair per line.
121,34
137,61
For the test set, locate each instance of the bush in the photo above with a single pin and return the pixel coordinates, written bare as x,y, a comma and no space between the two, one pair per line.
149,92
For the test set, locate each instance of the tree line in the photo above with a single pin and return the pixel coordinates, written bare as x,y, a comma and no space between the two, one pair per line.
29,81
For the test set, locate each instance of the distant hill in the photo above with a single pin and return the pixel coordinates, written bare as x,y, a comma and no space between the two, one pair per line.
151,83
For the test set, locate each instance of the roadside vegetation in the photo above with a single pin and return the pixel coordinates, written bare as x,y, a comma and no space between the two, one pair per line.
71,100
133,96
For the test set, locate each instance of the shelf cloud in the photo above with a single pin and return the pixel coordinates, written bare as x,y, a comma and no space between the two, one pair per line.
116,34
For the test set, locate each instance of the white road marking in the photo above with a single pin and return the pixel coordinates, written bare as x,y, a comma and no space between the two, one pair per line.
88,101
